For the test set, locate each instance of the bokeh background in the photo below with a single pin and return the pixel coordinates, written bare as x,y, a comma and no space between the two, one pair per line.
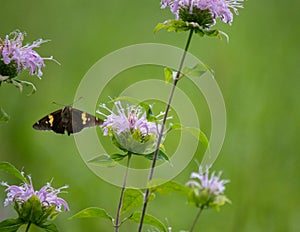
257,71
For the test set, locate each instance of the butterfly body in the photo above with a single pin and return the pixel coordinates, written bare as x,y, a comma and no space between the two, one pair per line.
67,119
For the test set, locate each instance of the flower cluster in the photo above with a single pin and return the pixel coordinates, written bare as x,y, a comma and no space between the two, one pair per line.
47,195
197,10
131,129
14,57
207,191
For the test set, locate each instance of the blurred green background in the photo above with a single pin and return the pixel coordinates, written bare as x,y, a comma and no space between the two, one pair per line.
257,72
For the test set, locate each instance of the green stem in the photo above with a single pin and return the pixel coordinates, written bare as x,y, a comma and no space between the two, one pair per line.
28,226
162,129
196,219
122,194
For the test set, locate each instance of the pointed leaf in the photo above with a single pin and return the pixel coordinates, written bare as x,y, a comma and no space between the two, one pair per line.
10,225
33,88
197,71
102,161
148,109
160,156
10,169
168,74
150,220
118,157
49,227
196,132
133,198
168,187
92,212
3,115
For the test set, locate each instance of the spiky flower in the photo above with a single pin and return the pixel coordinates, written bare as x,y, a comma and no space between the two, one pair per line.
203,12
47,195
207,190
16,57
130,128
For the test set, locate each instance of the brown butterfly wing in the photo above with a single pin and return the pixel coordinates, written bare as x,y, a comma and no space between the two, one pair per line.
81,120
51,122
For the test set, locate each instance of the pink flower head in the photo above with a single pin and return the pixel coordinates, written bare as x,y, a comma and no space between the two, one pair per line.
212,183
218,8
47,195
12,50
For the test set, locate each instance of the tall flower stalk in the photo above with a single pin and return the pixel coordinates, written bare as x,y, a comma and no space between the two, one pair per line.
207,191
133,133
151,173
194,16
122,194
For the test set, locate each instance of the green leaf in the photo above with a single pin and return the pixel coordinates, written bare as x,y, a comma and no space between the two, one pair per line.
196,132
33,88
31,210
173,25
168,187
49,227
148,109
10,169
10,225
92,212
168,74
219,201
3,115
212,33
133,198
197,71
118,157
150,220
160,156
102,161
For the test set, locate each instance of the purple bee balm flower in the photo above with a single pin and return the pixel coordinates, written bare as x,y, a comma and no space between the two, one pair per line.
12,50
131,128
212,184
217,8
47,195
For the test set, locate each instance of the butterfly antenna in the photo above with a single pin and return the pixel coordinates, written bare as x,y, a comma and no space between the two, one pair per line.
59,104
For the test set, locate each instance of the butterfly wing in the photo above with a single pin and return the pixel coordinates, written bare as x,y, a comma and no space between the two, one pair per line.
81,120
51,122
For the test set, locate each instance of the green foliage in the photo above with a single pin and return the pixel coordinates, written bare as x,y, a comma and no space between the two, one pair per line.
168,187
92,212
160,156
196,132
132,199
49,227
203,18
11,225
8,70
180,25
4,117
10,169
168,74
102,161
204,199
148,219
196,71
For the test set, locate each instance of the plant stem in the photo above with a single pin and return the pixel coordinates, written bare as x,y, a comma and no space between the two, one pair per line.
196,219
122,194
28,226
162,129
